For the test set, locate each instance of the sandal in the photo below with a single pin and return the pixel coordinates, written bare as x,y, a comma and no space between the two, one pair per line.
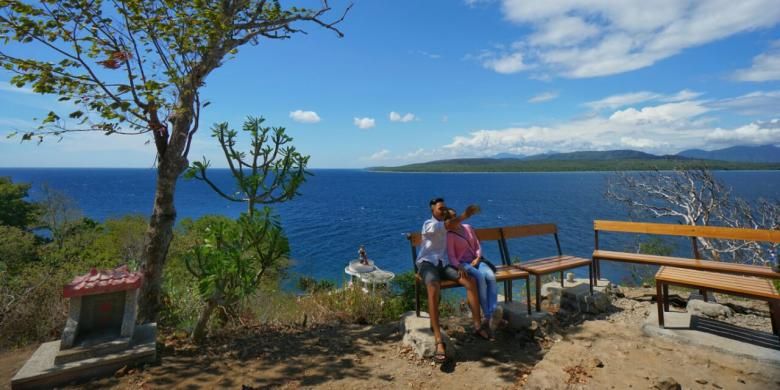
482,333
440,357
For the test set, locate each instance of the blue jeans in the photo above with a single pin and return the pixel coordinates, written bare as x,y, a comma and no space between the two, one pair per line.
486,285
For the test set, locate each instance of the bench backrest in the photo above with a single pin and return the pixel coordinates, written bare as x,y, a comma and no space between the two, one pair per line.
519,231
718,232
483,234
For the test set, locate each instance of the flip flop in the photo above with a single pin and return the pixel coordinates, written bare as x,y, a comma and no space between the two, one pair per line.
440,357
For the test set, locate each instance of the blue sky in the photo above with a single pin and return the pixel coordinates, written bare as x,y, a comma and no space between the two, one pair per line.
421,80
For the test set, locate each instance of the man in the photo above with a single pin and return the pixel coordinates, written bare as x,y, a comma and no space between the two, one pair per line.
433,266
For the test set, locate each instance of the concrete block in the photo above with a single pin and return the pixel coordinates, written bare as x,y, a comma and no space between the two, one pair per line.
418,335
516,314
724,338
708,309
41,372
71,324
129,317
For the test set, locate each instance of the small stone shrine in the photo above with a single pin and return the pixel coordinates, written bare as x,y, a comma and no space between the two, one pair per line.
100,335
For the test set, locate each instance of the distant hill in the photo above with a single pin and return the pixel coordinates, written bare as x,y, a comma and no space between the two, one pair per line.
765,153
509,156
596,156
611,160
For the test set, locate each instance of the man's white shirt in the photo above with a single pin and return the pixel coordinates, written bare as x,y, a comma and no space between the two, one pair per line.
434,243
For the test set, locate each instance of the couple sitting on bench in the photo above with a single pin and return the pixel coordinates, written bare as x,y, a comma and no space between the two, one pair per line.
450,250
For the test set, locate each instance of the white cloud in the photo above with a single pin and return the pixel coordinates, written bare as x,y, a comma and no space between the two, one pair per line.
685,94
664,113
396,117
581,38
752,104
756,133
506,64
640,143
304,116
664,128
364,123
380,155
563,31
432,56
766,66
626,99
543,97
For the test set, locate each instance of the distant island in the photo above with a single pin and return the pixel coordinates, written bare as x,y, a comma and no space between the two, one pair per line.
736,158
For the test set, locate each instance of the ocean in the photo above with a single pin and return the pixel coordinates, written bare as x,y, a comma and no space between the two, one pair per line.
339,210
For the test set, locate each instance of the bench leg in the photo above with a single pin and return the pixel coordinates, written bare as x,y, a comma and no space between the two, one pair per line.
666,296
562,286
507,290
538,293
703,293
660,303
590,277
774,314
417,297
528,294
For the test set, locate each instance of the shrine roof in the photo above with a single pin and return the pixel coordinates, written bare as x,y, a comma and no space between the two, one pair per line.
103,282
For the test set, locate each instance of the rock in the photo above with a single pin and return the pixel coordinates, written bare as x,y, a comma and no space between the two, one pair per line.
598,363
701,381
121,372
417,335
668,384
717,386
740,380
536,325
707,309
578,298
570,277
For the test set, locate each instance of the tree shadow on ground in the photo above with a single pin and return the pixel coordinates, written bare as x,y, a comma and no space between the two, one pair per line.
510,354
269,357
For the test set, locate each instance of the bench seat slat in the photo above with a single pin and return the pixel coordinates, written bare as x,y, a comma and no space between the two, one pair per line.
503,272
744,285
725,279
554,263
681,262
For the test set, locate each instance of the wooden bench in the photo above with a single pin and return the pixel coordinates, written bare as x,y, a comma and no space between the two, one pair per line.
504,272
744,286
546,265
693,232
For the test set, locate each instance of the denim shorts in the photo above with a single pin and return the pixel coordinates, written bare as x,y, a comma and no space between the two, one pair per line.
430,273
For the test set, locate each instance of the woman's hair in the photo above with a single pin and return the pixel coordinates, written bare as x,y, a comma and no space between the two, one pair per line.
451,213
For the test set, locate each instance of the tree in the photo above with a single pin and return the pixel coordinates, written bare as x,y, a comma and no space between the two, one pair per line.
14,209
232,259
694,196
60,214
272,172
234,256
136,67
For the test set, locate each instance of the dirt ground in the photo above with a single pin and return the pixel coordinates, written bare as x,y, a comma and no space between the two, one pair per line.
606,353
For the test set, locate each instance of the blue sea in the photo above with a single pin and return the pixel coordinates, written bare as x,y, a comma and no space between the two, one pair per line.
342,209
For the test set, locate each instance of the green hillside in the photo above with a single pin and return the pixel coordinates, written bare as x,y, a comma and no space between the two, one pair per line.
513,165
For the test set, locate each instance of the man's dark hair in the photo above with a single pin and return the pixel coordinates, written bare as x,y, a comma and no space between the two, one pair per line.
434,201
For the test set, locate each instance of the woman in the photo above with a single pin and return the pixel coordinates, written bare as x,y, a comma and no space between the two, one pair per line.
465,252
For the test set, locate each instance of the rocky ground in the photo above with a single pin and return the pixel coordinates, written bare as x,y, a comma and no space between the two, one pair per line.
601,351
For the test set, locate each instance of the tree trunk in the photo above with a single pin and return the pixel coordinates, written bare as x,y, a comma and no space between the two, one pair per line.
203,321
159,235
